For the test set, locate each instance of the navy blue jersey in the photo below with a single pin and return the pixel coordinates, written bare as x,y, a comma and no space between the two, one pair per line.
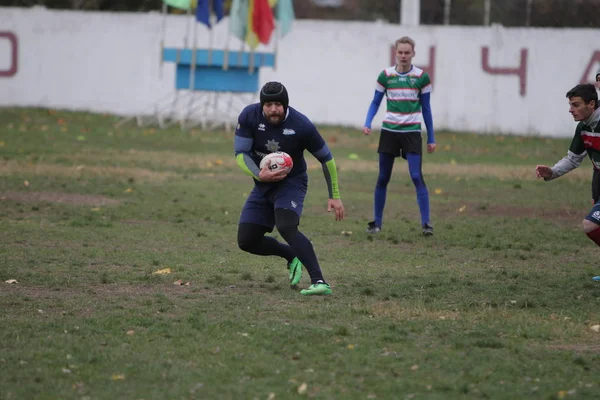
255,137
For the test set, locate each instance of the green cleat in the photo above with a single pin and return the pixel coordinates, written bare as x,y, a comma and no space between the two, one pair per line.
295,268
317,289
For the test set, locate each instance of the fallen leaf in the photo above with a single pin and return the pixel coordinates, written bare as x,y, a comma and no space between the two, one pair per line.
130,332
414,367
218,161
447,147
463,208
81,138
129,190
595,328
118,377
1,144
178,282
353,156
26,183
96,209
302,388
346,233
350,347
271,396
12,281
164,271
438,191
66,371
453,162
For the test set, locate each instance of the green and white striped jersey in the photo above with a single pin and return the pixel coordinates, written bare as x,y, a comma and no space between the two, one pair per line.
403,92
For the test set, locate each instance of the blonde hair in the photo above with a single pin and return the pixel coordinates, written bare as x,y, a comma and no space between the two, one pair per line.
407,40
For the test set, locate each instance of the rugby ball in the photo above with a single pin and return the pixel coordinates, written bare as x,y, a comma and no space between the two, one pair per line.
276,161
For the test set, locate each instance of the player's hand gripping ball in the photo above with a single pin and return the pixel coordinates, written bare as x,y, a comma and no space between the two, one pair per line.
279,160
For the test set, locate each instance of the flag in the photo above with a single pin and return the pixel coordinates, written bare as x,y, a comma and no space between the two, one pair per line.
180,4
218,9
238,19
285,16
203,11
251,37
272,3
263,24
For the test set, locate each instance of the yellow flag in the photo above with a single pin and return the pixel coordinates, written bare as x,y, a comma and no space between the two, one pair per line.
251,37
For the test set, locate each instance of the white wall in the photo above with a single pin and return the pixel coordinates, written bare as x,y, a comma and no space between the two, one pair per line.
107,62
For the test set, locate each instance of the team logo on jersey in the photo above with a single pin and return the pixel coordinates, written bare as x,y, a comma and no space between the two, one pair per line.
272,146
596,215
288,132
296,205
413,81
261,127
238,126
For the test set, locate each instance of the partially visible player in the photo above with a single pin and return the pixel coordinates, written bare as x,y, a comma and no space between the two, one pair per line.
596,175
278,196
583,106
408,92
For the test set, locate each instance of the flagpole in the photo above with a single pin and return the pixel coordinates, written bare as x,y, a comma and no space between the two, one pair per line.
211,23
226,53
277,30
165,10
192,74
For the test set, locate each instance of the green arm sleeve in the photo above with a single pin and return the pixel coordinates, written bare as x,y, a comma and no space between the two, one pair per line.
247,165
330,172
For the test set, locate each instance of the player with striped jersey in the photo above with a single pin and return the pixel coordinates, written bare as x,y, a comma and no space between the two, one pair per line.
408,92
583,106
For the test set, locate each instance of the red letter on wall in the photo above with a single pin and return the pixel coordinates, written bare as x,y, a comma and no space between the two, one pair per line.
520,71
586,73
14,44
430,69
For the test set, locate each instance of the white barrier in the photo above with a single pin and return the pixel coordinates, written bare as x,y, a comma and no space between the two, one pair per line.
486,80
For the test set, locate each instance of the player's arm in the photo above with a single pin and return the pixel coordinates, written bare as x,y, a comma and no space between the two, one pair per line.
318,148
376,102
425,100
572,160
566,164
243,146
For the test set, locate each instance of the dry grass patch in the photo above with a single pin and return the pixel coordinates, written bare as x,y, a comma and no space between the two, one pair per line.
11,168
54,197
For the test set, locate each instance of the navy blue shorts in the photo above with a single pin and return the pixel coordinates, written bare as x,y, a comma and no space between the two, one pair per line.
260,205
594,215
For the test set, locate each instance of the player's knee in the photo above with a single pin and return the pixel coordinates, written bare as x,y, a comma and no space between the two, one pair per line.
383,180
246,243
417,178
247,239
286,222
287,231
589,226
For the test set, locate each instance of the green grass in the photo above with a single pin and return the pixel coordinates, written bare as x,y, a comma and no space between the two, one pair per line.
498,304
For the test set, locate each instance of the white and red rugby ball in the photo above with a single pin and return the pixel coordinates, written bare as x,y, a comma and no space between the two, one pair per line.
279,160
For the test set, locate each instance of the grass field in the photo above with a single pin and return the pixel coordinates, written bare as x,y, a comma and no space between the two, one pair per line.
499,304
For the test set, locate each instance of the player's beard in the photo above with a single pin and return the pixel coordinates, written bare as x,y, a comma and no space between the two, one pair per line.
275,118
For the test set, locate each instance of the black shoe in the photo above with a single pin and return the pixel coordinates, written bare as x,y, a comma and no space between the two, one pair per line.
372,228
427,230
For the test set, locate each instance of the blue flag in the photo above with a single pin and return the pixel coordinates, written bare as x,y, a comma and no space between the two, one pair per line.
203,11
218,9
